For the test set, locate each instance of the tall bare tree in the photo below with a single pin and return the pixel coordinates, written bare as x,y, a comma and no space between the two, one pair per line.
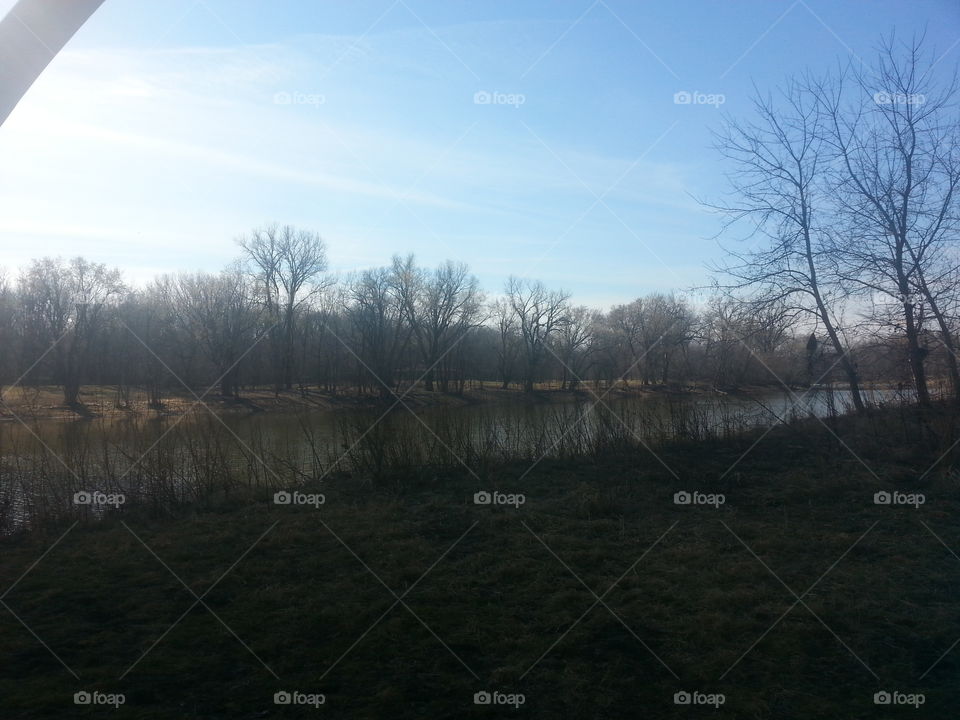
380,319
442,306
779,165
508,340
8,331
540,313
577,345
894,132
220,315
66,305
288,265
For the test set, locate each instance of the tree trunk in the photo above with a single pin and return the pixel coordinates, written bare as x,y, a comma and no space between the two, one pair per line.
946,337
71,391
229,386
916,354
848,368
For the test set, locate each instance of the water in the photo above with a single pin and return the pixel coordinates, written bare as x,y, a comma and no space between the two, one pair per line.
161,461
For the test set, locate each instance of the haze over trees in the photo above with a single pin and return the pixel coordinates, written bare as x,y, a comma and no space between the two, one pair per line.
384,329
62,310
373,332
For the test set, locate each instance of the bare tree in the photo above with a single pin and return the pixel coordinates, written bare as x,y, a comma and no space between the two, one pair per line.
508,337
625,323
442,307
742,342
220,315
8,331
540,313
576,343
66,305
724,332
381,324
666,328
779,166
895,179
288,265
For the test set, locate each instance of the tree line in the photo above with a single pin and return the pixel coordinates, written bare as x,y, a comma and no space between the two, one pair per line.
275,318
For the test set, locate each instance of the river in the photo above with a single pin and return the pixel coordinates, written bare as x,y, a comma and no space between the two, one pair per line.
165,460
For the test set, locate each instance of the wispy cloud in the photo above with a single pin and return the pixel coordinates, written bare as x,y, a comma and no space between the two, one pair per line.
111,138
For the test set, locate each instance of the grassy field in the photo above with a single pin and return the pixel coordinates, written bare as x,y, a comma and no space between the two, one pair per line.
597,597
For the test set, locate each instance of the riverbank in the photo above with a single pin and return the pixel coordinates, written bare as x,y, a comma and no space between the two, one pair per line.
46,402
698,598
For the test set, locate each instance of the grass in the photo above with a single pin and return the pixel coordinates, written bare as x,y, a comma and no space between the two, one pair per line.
689,593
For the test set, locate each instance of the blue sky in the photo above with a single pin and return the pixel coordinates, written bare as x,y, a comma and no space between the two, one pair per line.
165,130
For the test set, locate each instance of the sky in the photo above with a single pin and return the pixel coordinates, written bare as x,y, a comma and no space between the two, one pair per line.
544,139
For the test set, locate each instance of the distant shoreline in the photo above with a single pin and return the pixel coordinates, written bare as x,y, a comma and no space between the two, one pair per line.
101,402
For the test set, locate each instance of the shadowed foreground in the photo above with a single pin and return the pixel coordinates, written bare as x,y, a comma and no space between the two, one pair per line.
596,597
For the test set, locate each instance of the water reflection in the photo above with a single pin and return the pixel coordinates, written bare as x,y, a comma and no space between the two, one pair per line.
156,462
